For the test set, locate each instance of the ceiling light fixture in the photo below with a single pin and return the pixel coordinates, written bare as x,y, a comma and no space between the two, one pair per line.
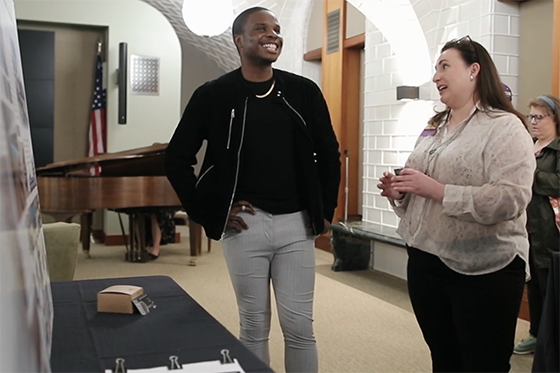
208,18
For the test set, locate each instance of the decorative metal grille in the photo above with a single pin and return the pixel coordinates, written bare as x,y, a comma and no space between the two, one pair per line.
144,75
333,31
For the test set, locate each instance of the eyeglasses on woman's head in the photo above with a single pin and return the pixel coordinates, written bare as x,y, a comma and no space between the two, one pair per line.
465,40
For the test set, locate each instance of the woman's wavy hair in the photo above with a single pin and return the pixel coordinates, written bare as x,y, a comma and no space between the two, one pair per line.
554,112
489,87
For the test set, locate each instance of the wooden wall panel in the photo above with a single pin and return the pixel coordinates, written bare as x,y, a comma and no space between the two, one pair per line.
341,80
351,123
341,87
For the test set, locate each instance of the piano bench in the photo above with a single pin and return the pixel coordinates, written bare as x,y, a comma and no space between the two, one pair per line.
181,218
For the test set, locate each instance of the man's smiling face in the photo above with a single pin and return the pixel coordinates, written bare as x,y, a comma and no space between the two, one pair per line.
261,42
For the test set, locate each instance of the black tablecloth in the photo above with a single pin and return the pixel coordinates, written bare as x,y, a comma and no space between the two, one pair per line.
87,341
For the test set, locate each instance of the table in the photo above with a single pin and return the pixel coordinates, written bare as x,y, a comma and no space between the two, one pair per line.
87,341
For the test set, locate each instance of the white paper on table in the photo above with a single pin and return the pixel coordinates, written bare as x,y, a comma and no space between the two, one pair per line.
215,366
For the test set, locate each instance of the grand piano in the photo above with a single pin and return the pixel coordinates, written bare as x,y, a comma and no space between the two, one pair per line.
131,182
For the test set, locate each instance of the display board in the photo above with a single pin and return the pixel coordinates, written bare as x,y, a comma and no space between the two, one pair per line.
26,310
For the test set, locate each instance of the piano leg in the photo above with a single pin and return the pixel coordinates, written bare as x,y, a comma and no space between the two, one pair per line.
137,234
86,220
141,252
130,254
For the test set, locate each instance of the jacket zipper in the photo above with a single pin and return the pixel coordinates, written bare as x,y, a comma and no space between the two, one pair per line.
305,124
294,110
202,176
237,169
230,127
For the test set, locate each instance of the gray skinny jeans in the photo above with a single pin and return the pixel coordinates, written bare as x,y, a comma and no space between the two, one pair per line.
277,249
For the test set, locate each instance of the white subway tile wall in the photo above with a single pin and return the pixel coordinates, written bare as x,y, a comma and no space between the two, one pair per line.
392,127
294,18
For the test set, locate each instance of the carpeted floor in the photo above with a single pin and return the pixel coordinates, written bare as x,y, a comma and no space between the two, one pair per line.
363,320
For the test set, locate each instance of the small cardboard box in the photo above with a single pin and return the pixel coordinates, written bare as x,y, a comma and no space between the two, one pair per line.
118,298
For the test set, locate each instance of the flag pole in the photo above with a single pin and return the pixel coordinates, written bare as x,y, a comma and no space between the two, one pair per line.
98,120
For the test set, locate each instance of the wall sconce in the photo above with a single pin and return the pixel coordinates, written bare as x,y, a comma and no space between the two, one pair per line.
408,93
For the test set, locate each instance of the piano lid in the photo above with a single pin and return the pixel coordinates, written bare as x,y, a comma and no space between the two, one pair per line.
106,161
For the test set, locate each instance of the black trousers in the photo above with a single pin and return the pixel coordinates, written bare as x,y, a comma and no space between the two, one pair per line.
468,322
536,294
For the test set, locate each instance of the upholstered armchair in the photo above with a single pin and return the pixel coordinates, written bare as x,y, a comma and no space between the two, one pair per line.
62,243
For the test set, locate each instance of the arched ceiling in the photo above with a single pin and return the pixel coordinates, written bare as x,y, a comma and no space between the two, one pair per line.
220,48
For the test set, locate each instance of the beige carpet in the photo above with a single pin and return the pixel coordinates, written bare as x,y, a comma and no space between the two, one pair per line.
363,321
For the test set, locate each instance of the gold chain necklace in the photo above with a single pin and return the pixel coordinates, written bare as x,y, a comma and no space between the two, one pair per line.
269,91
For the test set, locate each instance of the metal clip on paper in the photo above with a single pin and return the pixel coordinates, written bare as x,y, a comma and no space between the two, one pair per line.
226,359
119,367
174,363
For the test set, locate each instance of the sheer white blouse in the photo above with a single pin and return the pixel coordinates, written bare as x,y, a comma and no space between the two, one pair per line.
487,166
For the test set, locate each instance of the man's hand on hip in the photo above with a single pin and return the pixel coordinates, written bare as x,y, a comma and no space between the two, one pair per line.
235,221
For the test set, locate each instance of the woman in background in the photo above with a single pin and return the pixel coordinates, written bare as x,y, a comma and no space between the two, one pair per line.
160,230
544,237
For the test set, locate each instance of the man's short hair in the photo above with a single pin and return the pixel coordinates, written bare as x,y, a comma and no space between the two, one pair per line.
241,19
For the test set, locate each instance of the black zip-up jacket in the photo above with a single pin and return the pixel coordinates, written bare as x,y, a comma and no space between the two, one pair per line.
547,351
216,113
541,223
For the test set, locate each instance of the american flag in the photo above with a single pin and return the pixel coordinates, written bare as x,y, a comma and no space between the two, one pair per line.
98,121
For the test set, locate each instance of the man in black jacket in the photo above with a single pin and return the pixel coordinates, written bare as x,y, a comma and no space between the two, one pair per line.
268,184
